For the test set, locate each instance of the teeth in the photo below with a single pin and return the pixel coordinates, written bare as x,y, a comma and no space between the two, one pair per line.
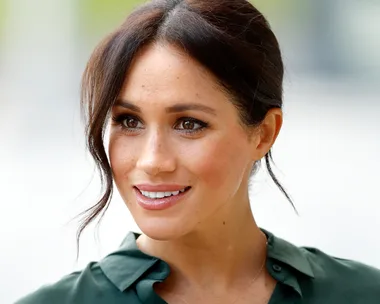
161,194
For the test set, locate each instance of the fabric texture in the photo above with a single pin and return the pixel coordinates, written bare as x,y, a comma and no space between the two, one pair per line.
304,275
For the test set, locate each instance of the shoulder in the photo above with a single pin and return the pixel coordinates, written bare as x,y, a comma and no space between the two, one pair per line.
352,280
86,286
111,280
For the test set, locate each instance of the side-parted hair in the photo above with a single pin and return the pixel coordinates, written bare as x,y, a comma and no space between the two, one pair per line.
230,38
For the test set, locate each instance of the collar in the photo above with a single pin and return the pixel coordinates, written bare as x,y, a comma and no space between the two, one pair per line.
287,262
128,264
288,253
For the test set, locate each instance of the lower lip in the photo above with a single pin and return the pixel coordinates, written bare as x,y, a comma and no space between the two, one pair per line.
158,203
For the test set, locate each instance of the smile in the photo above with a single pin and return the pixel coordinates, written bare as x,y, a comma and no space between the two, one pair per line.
159,200
162,194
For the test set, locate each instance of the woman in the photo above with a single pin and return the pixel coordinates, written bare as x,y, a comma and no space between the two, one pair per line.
192,92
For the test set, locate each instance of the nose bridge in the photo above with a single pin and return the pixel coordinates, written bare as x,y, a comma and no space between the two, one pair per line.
156,155
158,141
155,143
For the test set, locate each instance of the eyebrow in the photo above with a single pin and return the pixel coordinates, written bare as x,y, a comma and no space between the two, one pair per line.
176,108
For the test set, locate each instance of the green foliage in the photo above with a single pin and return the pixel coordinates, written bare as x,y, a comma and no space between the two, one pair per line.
2,16
101,16
98,16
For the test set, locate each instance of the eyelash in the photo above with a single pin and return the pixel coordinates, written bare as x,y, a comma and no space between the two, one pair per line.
119,119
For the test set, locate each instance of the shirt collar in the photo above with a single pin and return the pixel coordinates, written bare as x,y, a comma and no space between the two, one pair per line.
126,265
288,253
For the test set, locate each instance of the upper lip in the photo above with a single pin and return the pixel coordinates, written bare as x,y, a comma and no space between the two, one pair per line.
160,188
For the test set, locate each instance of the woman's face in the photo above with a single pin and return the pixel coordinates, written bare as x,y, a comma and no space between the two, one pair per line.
174,129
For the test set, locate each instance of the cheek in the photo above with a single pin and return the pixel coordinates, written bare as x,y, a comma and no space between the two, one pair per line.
122,158
218,163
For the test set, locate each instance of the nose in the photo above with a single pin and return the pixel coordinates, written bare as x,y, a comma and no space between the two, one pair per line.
156,156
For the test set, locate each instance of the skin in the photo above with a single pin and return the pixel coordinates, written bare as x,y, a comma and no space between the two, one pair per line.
212,226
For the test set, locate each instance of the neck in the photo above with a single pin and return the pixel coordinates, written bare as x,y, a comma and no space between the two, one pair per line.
226,252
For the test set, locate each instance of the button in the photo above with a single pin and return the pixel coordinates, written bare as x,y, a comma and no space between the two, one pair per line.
276,268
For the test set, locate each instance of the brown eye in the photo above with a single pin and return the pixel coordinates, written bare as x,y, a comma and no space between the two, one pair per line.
128,123
131,123
188,125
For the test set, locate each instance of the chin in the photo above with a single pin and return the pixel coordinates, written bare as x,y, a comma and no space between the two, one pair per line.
161,229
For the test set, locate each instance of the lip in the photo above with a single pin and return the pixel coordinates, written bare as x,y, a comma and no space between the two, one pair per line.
160,188
157,204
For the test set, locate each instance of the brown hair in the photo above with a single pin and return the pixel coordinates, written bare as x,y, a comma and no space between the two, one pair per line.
231,38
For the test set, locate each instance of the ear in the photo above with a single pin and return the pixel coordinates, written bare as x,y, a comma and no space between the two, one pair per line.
267,133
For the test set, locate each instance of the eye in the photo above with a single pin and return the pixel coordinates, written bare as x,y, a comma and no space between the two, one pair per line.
131,123
190,125
128,122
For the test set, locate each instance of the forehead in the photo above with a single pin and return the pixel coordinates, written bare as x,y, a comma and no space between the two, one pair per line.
164,72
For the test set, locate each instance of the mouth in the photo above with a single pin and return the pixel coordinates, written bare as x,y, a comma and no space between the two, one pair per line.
160,200
162,194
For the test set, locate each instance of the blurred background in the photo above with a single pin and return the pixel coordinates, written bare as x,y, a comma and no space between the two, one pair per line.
327,155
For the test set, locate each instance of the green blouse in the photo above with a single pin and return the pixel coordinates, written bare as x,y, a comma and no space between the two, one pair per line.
304,275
